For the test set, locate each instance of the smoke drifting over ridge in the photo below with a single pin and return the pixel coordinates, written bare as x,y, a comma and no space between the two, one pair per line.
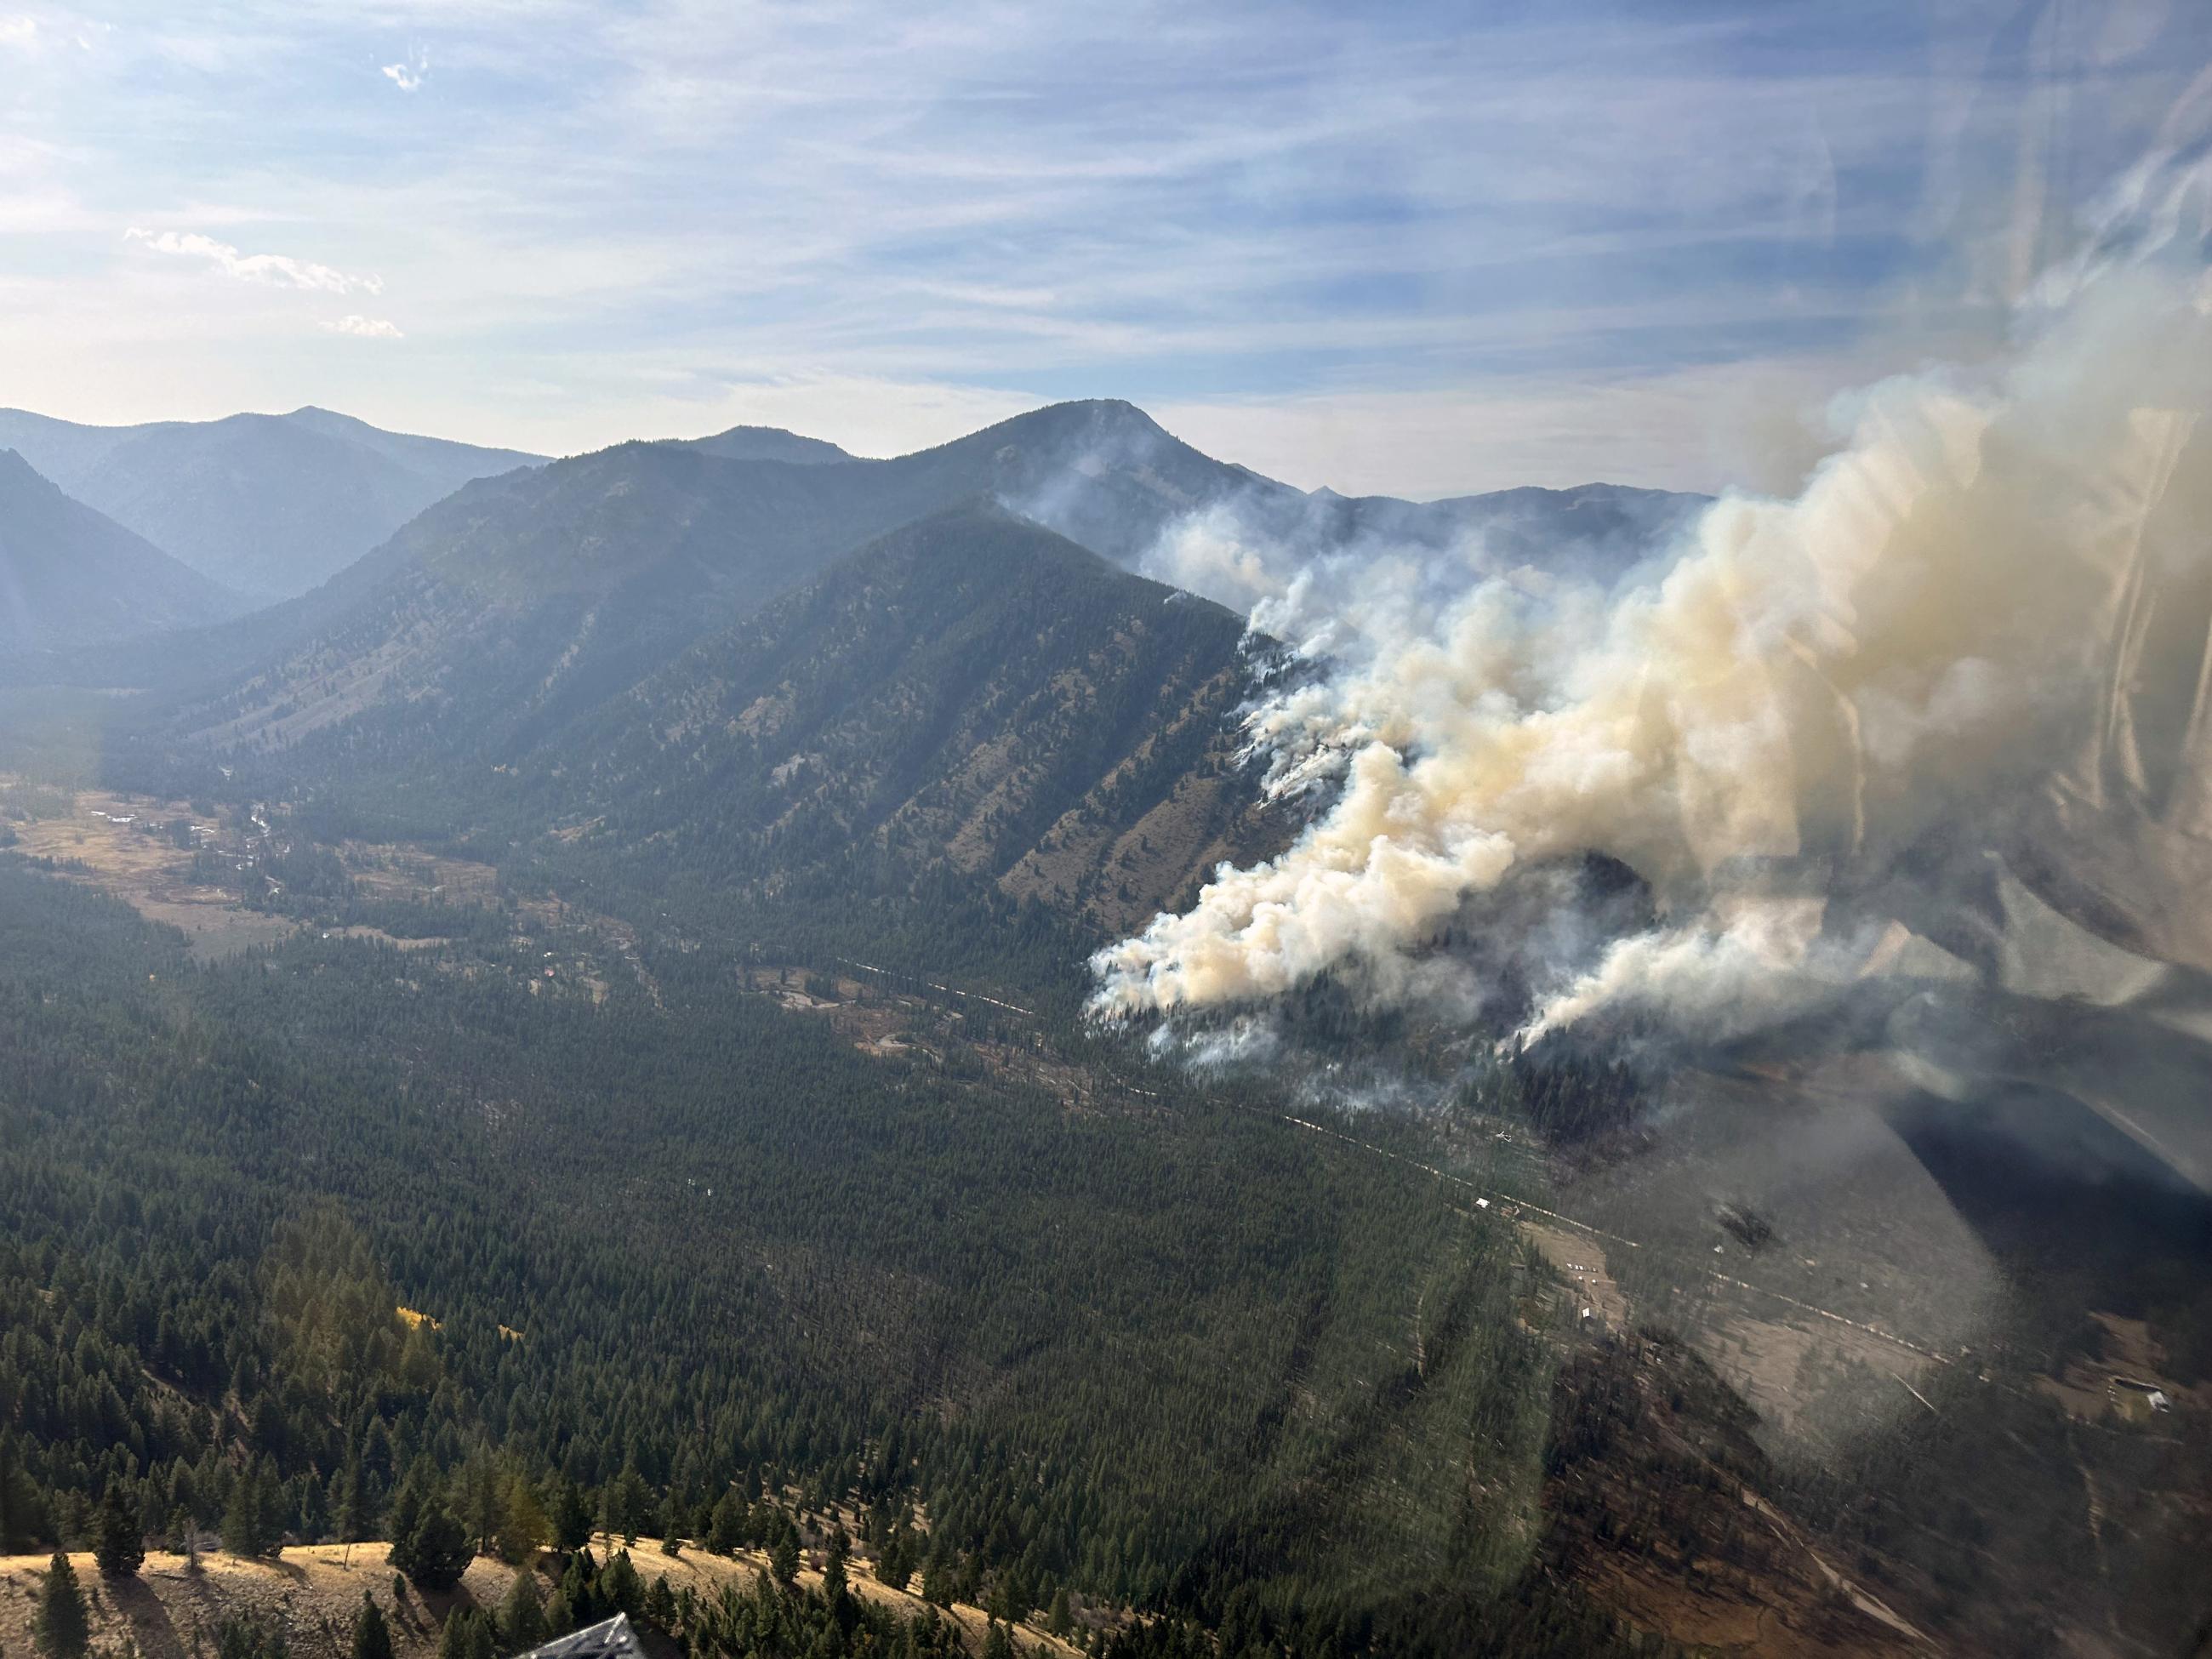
1982,625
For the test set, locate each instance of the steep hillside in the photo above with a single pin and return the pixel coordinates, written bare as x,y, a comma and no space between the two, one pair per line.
969,692
70,576
529,599
267,504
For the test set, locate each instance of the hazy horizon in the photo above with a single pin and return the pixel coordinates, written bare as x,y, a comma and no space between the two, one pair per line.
1383,254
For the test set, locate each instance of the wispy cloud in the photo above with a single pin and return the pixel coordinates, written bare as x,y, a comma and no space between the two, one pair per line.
368,328
279,269
46,30
1352,245
410,75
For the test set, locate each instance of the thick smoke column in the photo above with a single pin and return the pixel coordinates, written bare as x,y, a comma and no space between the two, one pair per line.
1984,617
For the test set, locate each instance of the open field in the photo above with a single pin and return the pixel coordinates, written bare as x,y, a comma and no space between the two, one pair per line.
101,836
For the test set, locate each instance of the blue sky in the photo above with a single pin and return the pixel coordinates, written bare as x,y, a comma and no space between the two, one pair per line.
1415,248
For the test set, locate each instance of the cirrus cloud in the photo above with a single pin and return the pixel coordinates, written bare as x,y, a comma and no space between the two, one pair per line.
368,328
279,269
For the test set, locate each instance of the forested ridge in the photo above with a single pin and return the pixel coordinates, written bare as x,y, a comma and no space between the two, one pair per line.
677,1263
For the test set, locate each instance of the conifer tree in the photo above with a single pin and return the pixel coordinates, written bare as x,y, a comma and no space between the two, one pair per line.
727,1530
350,1506
523,1527
580,1595
468,1634
121,1546
522,1614
406,1515
248,1518
620,1586
438,1550
64,1628
572,1519
371,1636
661,1604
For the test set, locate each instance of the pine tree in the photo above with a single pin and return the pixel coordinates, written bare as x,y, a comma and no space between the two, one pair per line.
997,1645
627,1502
468,1634
350,1505
406,1515
894,1565
523,1527
371,1636
272,1509
438,1550
121,1546
661,1604
783,1564
253,1519
1059,1619
580,1594
480,1499
64,1628
522,1615
620,1585
572,1519
241,1516
727,1529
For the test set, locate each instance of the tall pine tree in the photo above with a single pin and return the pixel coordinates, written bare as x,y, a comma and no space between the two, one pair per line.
64,1630
121,1546
371,1636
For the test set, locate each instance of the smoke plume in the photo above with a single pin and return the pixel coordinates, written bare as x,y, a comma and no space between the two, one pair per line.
1982,623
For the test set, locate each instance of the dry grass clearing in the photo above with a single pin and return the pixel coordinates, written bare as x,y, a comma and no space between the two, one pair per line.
312,1592
149,872
1580,1260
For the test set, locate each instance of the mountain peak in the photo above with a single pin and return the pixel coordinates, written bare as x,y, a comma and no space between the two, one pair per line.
768,443
14,470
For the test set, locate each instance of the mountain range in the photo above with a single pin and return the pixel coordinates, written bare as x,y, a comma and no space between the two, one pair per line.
539,652
268,505
70,576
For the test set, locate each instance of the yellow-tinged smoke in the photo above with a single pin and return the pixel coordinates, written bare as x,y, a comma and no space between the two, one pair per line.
1987,614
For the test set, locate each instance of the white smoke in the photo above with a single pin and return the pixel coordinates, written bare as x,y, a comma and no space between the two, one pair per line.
1995,593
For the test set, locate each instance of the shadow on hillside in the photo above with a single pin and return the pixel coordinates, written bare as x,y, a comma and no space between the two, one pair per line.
151,1627
423,1612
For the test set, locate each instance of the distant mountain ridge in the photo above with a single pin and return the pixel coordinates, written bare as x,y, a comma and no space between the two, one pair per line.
70,576
268,505
525,658
767,443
